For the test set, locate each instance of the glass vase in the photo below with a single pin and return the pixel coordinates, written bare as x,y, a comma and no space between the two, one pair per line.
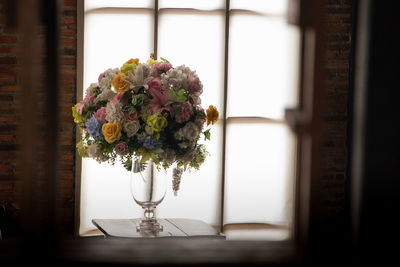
148,189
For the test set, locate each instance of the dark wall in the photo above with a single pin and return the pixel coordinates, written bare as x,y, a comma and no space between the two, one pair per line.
335,150
10,90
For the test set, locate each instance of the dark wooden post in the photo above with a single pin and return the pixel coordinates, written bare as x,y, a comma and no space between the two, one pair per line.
38,131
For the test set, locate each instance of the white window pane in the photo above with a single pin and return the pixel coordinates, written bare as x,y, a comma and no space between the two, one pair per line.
183,41
259,173
112,39
199,196
277,7
202,4
262,66
105,194
108,44
92,4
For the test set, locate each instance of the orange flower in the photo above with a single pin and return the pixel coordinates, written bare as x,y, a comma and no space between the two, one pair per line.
120,85
212,115
130,61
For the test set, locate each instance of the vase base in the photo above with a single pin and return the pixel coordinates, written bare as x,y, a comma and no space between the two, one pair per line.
149,227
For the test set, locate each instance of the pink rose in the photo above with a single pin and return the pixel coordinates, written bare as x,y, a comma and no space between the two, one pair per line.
121,147
132,117
185,114
101,114
117,99
89,97
155,84
79,108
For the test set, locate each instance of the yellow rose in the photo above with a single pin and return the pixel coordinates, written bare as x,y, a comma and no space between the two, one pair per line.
157,122
151,61
119,84
212,115
112,131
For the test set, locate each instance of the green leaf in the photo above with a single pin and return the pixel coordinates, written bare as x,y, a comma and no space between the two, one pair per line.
181,98
172,93
129,109
207,135
163,59
181,92
201,114
126,95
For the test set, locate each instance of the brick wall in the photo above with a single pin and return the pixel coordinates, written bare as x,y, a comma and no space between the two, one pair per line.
335,156
335,150
9,94
68,42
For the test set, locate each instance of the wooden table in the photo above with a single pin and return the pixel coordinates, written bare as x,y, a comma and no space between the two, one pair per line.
173,228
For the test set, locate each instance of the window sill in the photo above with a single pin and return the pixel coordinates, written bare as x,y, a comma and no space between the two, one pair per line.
244,231
177,251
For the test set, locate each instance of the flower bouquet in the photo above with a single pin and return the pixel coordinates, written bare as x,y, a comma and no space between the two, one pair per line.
145,111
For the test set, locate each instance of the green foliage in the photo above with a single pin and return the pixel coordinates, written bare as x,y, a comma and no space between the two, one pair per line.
164,60
95,91
129,109
207,134
126,96
179,96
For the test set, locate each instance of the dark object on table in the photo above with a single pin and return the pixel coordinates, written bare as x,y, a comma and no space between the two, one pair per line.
9,220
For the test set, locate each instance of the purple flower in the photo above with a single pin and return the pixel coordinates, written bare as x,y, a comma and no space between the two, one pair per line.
160,67
121,147
93,127
195,87
185,113
150,143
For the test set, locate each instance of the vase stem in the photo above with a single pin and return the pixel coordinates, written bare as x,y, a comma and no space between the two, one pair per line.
148,190
151,182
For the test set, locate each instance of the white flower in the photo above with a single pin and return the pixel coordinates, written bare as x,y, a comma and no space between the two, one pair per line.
175,78
105,95
190,131
93,151
105,82
168,156
200,124
141,78
114,112
131,127
143,75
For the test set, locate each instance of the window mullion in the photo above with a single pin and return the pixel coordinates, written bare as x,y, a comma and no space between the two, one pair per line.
227,7
155,39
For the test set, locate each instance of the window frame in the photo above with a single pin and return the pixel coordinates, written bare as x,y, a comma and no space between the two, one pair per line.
224,118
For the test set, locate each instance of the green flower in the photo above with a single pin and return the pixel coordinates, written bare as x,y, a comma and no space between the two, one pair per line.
76,115
157,122
128,67
82,149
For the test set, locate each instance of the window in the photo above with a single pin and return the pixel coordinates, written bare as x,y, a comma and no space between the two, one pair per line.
251,77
